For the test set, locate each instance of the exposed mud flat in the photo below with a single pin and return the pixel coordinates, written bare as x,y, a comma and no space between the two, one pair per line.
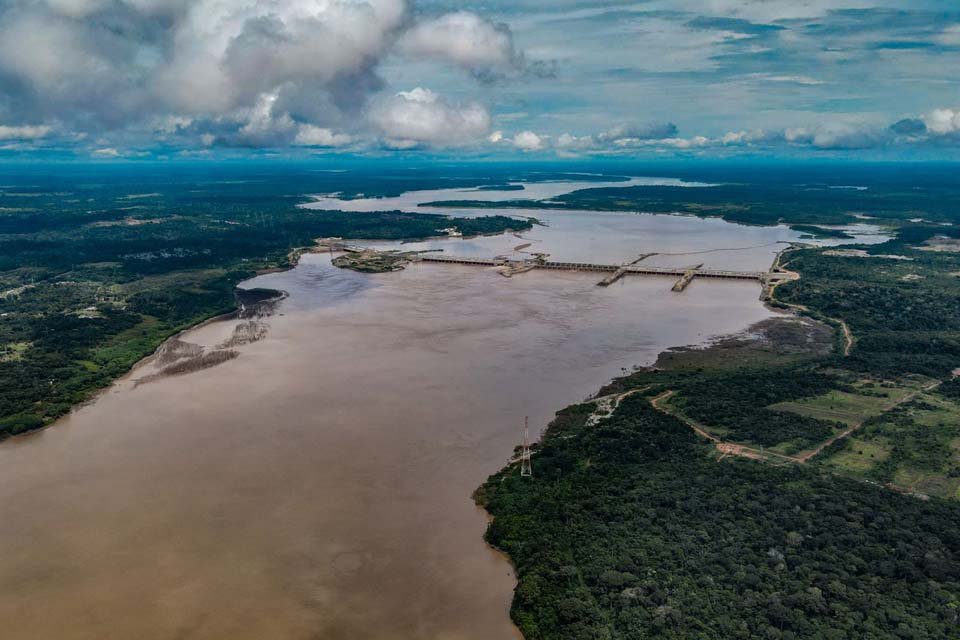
176,349
191,364
784,335
177,356
246,332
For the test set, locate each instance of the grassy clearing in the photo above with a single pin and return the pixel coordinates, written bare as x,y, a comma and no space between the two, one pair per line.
860,456
915,446
852,408
929,483
13,352
849,408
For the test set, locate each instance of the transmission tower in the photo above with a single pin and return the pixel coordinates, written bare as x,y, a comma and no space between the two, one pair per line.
526,468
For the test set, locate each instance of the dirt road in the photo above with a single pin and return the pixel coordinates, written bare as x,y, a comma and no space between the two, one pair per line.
744,451
859,425
725,448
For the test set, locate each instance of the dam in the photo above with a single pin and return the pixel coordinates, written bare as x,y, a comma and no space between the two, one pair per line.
614,272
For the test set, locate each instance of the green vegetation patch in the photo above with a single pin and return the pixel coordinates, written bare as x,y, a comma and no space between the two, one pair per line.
737,402
850,408
630,530
860,456
372,261
901,325
915,446
13,352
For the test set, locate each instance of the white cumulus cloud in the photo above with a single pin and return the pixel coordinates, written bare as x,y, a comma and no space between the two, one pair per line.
684,143
627,135
230,53
462,37
23,132
98,65
421,117
569,142
311,136
528,141
837,136
746,138
239,72
942,121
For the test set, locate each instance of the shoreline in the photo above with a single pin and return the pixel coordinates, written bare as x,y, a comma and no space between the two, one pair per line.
552,207
219,317
769,302
96,395
293,260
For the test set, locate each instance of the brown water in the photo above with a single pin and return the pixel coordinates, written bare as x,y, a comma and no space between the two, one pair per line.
318,486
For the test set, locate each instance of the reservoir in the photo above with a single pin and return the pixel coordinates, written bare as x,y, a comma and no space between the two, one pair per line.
317,486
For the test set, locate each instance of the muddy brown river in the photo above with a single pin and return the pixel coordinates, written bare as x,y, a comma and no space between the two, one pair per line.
318,485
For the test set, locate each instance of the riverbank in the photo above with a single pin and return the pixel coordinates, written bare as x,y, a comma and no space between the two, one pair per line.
79,327
601,536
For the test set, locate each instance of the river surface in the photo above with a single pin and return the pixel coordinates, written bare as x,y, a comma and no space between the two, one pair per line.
318,485
411,200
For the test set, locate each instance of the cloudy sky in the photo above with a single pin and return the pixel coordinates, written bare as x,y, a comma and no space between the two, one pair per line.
532,78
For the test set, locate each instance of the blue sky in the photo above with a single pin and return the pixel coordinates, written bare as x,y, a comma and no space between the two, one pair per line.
526,78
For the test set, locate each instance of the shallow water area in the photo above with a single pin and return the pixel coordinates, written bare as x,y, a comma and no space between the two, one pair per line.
318,485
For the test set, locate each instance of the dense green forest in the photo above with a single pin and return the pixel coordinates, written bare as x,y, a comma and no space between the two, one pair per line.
900,301
99,266
638,528
631,529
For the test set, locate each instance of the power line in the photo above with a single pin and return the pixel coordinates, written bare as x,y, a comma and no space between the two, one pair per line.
526,467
